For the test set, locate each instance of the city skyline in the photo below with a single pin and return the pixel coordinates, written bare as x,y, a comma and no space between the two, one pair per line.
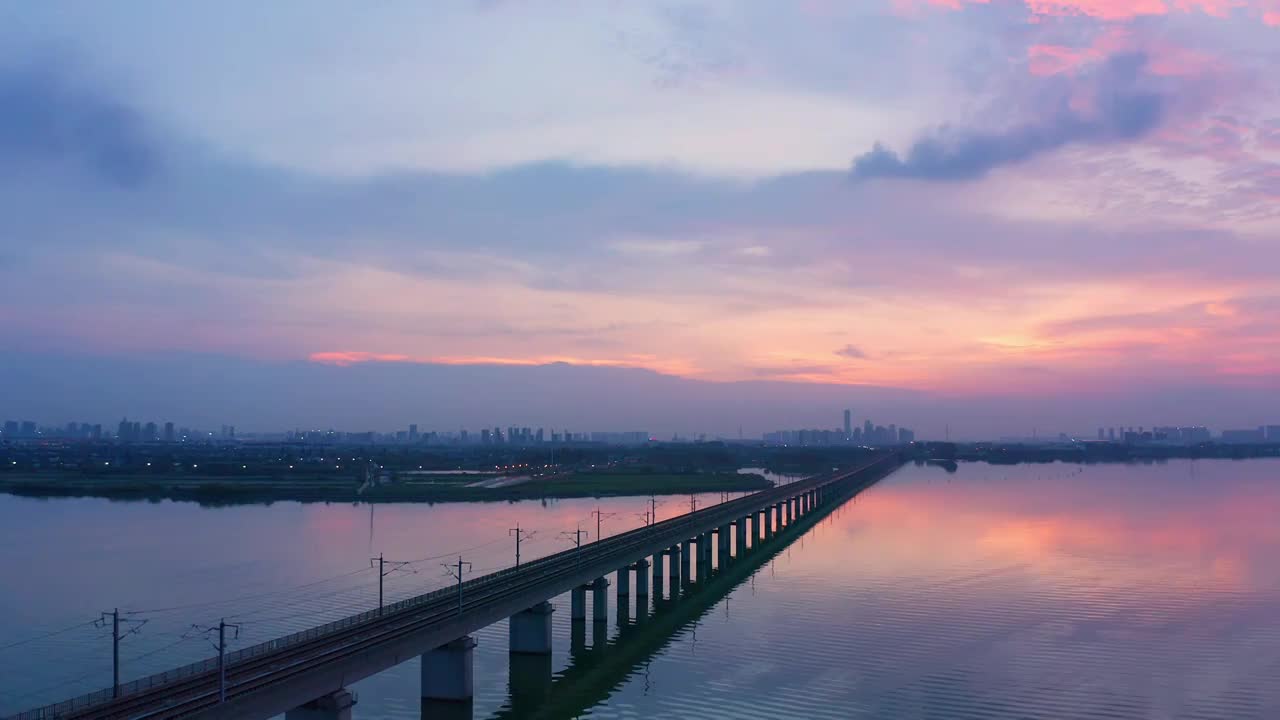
866,433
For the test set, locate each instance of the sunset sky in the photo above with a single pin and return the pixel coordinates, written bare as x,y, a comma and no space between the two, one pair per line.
999,204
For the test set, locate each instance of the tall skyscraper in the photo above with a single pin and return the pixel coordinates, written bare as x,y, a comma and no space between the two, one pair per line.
848,424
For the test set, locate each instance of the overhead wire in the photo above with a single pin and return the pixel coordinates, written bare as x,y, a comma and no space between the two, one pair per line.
253,596
47,635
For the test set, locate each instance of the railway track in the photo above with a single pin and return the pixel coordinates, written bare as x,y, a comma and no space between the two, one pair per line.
199,692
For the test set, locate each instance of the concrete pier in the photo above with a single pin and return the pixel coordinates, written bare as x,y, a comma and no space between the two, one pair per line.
624,610
600,600
624,583
578,603
447,671
334,706
777,517
658,574
741,537
686,560
530,630
673,568
642,583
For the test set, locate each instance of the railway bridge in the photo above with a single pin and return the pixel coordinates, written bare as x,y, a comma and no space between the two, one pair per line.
306,675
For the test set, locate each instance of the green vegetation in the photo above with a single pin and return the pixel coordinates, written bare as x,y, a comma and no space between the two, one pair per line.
223,490
618,483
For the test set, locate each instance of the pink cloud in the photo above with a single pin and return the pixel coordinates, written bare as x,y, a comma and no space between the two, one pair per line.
1117,10
1163,57
1058,59
1104,9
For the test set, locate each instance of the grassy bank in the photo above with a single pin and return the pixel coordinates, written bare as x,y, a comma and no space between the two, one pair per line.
242,490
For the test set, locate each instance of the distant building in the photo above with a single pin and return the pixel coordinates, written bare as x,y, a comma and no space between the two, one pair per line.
620,438
1273,433
848,424
1243,436
168,432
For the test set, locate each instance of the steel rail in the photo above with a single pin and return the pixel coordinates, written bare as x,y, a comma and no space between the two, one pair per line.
247,675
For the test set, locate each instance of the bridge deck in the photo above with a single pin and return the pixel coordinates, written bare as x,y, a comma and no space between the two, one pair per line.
274,677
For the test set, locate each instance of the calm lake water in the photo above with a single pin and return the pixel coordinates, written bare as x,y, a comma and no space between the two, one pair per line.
1032,591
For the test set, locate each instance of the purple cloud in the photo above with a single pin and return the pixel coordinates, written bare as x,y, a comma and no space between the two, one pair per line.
46,118
1125,111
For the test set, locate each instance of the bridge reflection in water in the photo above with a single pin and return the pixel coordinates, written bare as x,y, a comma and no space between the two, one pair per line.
599,665
306,675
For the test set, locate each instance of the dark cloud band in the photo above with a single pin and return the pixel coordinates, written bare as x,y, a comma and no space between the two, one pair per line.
1124,111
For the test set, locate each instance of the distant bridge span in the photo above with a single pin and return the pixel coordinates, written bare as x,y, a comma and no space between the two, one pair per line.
305,675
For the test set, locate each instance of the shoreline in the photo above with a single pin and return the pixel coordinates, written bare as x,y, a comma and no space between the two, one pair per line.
221,493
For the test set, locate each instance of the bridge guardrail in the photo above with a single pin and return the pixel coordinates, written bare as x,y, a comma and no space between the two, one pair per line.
53,711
